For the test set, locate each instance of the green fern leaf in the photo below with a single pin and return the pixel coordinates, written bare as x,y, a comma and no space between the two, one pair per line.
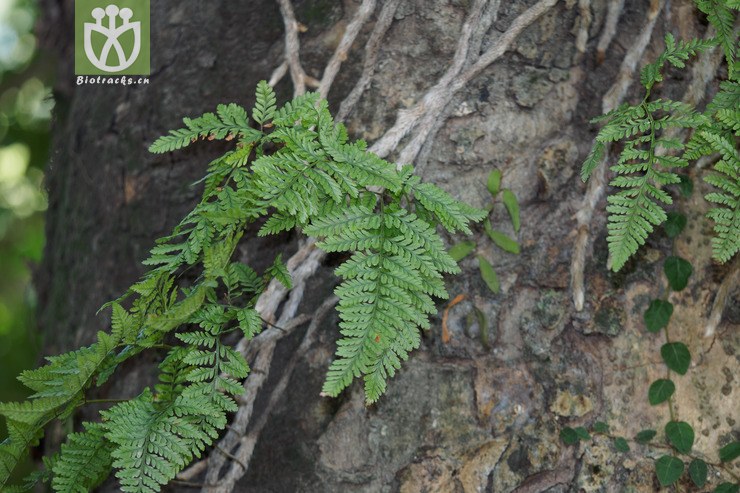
265,105
84,461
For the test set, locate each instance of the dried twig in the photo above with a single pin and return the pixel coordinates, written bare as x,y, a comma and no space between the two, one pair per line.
292,47
435,100
439,95
584,22
385,18
597,183
278,74
720,300
340,54
614,10
245,443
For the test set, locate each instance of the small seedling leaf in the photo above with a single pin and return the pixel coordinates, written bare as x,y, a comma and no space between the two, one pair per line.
461,250
504,242
512,206
488,275
494,182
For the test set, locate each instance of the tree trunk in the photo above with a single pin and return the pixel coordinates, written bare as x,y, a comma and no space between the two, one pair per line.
483,410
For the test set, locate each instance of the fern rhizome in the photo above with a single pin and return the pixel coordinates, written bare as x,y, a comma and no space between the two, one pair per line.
296,167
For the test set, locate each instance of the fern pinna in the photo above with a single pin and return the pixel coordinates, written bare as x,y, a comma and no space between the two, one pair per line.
650,157
295,167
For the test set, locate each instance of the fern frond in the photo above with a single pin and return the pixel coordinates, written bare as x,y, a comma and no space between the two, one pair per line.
676,54
385,298
726,215
151,445
84,461
265,104
722,19
279,271
229,121
453,215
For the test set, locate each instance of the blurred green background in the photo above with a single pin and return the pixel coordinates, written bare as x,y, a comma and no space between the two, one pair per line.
25,114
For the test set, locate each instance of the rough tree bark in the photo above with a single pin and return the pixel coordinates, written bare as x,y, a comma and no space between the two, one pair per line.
454,87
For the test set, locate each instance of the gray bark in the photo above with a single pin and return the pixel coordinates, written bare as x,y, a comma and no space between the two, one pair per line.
481,412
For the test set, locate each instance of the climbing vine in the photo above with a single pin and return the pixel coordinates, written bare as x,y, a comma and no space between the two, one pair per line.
645,172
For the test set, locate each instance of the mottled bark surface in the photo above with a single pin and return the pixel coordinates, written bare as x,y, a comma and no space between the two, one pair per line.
483,411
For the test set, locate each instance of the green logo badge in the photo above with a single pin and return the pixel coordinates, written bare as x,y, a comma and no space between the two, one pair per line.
112,37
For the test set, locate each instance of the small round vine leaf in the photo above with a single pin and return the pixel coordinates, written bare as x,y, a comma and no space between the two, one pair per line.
461,250
685,186
675,224
676,356
727,488
494,182
698,472
621,445
600,427
645,436
678,271
729,452
681,435
582,433
668,469
658,315
569,436
660,391
488,275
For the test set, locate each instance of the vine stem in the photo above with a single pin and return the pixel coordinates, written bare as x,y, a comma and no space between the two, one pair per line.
717,465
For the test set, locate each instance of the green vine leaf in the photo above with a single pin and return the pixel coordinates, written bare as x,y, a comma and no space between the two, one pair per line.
674,224
668,469
660,391
681,435
685,186
582,433
678,271
698,472
600,427
621,445
727,488
569,436
658,315
645,436
676,357
729,452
